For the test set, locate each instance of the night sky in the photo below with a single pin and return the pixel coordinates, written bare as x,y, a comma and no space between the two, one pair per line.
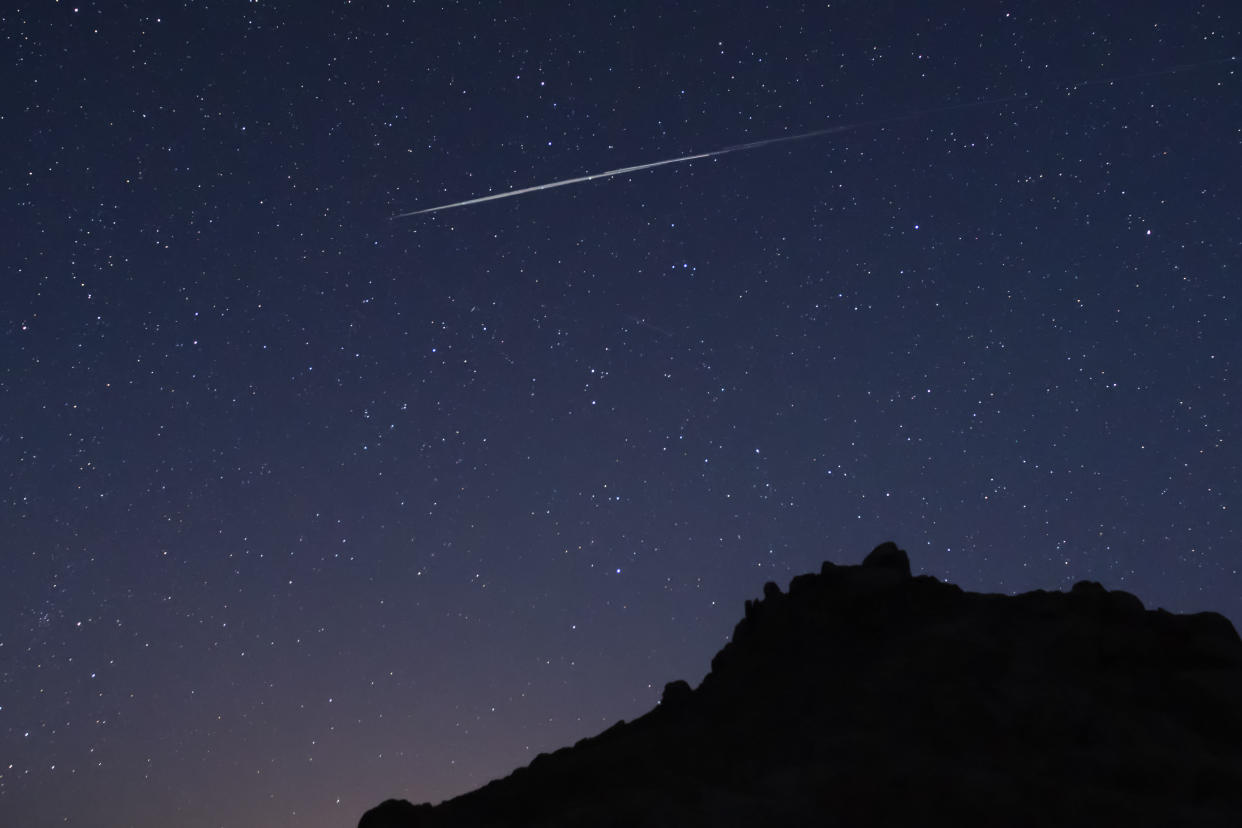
304,506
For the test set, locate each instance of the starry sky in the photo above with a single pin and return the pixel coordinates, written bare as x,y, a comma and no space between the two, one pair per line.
305,506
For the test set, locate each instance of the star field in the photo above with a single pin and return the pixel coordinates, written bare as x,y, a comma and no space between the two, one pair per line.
304,506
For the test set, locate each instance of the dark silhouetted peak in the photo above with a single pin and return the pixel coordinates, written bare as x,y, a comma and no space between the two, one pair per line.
675,693
866,696
395,813
888,556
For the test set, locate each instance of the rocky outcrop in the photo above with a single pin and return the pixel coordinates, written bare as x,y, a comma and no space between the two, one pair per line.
394,813
865,695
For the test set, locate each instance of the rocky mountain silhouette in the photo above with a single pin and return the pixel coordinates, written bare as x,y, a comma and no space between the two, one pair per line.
865,696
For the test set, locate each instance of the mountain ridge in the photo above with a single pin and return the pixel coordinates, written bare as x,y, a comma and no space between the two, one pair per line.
867,695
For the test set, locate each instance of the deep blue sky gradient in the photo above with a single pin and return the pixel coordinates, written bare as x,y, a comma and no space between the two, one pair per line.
304,507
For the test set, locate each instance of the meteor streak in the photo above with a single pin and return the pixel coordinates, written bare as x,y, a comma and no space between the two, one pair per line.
623,170
799,137
724,151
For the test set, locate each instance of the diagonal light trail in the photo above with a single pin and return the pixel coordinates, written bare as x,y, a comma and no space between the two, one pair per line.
735,148
623,170
814,133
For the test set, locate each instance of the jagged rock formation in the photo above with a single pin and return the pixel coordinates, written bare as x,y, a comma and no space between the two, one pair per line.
866,696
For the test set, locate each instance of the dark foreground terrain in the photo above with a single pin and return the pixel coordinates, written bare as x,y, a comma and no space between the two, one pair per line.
865,696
